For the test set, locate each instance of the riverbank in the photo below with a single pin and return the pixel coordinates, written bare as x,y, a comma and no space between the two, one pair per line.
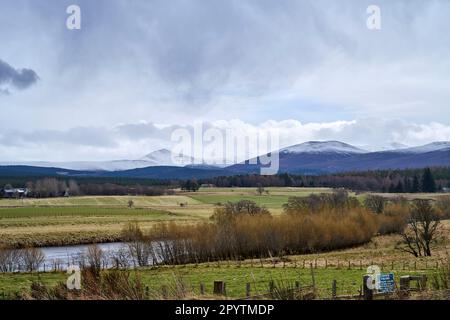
345,266
99,219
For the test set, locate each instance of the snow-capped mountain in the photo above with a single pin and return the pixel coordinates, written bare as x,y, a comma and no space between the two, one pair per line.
156,158
313,157
334,156
164,157
434,146
318,147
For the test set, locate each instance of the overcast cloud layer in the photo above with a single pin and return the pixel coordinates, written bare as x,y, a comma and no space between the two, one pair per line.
136,140
137,69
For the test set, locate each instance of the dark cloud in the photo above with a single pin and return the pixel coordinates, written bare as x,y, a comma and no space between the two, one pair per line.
17,78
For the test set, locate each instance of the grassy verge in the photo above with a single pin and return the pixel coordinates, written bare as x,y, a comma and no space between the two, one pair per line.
190,277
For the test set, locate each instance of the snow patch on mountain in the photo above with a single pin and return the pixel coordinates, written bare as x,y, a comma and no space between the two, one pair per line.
318,147
434,146
165,157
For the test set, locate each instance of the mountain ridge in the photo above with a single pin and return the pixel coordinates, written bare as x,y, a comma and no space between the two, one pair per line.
312,157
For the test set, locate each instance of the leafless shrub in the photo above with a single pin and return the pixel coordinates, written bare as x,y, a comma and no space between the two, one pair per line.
375,203
9,259
120,259
338,201
95,258
140,250
262,236
39,291
393,219
111,285
443,207
121,284
32,259
287,290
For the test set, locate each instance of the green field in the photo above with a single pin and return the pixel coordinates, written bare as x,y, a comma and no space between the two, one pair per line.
85,219
235,277
345,266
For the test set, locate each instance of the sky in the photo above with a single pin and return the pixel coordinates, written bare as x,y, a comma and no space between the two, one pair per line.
139,69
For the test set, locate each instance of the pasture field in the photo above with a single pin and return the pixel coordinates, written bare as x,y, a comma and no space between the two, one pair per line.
345,266
348,280
87,219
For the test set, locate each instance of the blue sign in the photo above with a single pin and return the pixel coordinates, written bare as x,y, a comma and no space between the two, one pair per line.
386,282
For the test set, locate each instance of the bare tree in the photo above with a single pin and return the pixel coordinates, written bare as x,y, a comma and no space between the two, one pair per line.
74,189
9,259
139,248
260,189
95,258
422,230
32,259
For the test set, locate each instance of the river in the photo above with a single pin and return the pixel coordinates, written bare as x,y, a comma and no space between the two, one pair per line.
70,255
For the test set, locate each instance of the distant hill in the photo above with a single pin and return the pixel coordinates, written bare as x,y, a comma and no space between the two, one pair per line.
18,171
334,156
162,157
312,158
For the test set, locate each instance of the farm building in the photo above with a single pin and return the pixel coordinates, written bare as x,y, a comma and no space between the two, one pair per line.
15,192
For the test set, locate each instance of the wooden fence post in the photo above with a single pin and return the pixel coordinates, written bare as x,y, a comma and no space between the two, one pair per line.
313,278
247,290
164,292
271,286
404,283
202,289
334,289
367,292
219,287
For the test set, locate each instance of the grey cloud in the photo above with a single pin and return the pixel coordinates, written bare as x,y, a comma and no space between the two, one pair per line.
78,136
140,131
17,78
132,141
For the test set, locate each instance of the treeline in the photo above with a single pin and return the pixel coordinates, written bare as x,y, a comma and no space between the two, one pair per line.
52,187
396,181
